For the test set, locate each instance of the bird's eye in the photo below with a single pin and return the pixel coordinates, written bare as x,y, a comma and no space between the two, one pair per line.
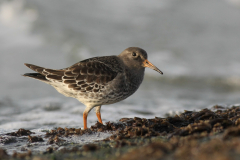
134,54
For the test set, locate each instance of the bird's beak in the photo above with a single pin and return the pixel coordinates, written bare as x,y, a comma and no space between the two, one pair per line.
148,64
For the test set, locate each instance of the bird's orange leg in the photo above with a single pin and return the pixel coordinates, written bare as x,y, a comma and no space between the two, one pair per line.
98,113
85,119
99,117
85,114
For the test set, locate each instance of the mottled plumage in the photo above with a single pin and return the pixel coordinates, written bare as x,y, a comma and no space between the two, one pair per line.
98,81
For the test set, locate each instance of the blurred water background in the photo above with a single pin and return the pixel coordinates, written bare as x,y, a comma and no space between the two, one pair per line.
195,43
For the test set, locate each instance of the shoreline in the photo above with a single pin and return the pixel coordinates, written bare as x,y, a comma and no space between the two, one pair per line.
206,134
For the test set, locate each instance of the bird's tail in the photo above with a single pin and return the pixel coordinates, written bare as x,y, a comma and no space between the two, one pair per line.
39,76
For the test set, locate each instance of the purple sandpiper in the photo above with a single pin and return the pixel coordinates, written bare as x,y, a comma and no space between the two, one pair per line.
98,81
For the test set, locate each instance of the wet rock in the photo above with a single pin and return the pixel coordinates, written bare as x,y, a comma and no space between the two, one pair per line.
50,149
24,149
33,139
218,107
151,151
65,132
20,132
67,150
177,121
237,121
90,147
214,149
124,119
3,154
224,122
187,123
22,155
183,136
232,132
122,143
7,139
217,128
55,140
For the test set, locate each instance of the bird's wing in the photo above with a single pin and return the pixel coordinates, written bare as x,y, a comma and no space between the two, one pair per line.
87,75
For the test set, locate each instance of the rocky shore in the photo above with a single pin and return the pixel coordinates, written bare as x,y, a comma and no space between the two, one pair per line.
207,134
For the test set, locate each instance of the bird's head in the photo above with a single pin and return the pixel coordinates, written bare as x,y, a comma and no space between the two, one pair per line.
136,58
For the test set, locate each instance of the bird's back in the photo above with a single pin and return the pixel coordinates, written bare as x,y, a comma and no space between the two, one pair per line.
90,81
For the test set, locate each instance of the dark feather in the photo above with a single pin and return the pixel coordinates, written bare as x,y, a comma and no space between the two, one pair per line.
72,86
54,77
81,77
69,81
76,70
65,77
69,74
83,70
95,90
90,71
84,85
91,79
81,82
34,67
55,72
77,88
36,76
89,88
